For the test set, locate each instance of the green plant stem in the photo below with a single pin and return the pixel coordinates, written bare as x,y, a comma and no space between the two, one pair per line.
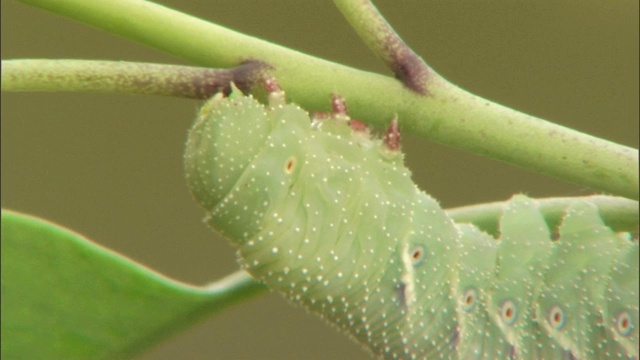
582,154
233,288
386,44
618,213
448,114
122,77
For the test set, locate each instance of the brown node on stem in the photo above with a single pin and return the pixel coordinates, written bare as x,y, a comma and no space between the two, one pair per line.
214,81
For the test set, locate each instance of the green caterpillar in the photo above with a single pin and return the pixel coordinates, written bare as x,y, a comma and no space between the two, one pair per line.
328,216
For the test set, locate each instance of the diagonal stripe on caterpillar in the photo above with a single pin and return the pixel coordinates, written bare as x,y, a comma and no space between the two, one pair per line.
329,216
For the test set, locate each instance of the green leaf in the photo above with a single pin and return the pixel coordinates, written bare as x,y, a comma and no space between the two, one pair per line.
66,297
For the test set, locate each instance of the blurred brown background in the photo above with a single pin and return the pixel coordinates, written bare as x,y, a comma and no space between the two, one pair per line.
110,166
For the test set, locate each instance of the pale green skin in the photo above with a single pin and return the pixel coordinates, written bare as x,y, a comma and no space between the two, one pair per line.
331,219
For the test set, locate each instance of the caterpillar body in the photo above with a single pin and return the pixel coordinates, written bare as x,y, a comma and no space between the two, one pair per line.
328,216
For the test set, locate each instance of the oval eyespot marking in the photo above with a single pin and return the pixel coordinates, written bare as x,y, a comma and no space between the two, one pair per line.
290,165
508,312
556,317
624,324
469,299
417,254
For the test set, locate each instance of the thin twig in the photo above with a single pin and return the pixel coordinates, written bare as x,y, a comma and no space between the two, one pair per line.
385,43
125,77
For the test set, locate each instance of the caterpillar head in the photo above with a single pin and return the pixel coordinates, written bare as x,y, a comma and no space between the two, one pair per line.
227,135
243,158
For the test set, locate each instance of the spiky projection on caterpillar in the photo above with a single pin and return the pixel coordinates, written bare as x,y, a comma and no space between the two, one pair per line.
328,216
